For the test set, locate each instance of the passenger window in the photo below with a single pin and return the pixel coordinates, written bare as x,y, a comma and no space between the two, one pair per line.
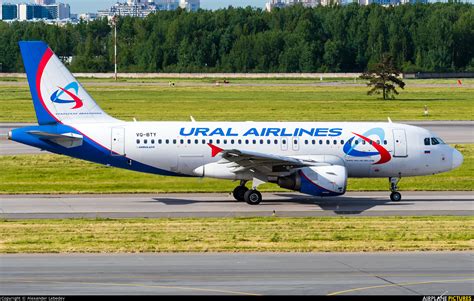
357,142
218,141
181,141
232,141
145,141
363,142
295,141
225,141
152,141
196,141
246,142
385,142
167,141
320,141
283,141
240,141
174,141
276,141
261,141
427,141
269,141
327,141
203,141
342,141
306,142
189,141
210,141
159,141
138,141
335,142
254,141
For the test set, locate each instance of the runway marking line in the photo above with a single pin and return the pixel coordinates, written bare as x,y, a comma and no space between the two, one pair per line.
145,286
397,285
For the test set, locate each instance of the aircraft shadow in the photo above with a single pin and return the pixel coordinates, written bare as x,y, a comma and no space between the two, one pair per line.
338,205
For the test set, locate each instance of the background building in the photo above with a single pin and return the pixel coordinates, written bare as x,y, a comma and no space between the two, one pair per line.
306,3
167,4
190,5
135,9
59,11
142,8
45,2
8,11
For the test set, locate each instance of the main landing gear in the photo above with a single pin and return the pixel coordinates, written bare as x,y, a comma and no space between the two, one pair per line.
239,191
395,196
251,196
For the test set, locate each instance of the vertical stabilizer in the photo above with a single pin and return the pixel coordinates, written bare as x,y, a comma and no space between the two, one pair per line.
57,95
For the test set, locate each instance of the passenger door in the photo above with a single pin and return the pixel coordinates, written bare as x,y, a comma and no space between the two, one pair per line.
399,143
118,142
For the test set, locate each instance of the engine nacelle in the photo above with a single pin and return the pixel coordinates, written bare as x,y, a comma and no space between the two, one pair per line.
318,180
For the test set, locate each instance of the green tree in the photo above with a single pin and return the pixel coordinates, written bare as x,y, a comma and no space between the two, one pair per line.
383,78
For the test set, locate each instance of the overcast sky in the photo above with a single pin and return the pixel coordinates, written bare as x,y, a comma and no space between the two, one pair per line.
82,6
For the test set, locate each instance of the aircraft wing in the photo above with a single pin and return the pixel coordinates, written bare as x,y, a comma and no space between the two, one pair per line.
266,163
67,140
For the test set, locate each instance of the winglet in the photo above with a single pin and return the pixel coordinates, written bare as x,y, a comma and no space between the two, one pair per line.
215,149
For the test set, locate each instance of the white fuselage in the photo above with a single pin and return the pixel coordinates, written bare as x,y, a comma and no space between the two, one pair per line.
182,147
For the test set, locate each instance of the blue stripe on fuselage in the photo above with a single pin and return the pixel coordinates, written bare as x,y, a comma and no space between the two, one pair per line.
89,151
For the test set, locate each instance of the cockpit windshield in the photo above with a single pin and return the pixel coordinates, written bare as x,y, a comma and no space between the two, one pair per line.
433,141
437,140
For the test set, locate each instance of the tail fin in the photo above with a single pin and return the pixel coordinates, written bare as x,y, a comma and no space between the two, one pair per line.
57,95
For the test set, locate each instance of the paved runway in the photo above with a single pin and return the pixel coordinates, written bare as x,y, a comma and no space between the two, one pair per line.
223,205
450,131
411,273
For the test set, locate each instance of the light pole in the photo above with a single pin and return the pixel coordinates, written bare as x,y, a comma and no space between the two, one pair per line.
114,22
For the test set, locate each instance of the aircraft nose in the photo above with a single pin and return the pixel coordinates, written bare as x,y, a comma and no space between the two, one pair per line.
457,158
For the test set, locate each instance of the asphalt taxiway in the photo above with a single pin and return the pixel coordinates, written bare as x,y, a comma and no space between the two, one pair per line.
410,273
450,131
421,203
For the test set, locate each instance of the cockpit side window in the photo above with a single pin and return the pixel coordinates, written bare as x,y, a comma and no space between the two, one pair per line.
427,141
434,141
440,140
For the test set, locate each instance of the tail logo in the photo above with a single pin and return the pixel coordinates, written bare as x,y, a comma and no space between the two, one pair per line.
350,146
56,96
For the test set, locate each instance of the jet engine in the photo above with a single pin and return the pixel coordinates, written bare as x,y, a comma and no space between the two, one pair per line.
318,180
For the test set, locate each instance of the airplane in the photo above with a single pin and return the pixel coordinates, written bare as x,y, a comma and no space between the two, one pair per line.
314,158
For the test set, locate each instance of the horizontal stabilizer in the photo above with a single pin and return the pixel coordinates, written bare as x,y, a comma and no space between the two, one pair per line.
68,140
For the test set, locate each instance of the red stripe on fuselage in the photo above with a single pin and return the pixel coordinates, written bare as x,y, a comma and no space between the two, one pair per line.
384,154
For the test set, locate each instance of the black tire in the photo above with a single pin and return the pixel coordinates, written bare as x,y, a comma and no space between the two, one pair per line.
253,197
239,193
395,196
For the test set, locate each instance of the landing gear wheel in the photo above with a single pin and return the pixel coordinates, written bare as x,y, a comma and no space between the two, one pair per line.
239,193
253,197
395,196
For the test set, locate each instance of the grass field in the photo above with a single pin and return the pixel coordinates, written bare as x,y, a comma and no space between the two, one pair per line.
60,174
145,100
272,234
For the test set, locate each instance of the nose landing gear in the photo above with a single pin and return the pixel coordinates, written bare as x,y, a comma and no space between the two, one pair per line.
395,196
